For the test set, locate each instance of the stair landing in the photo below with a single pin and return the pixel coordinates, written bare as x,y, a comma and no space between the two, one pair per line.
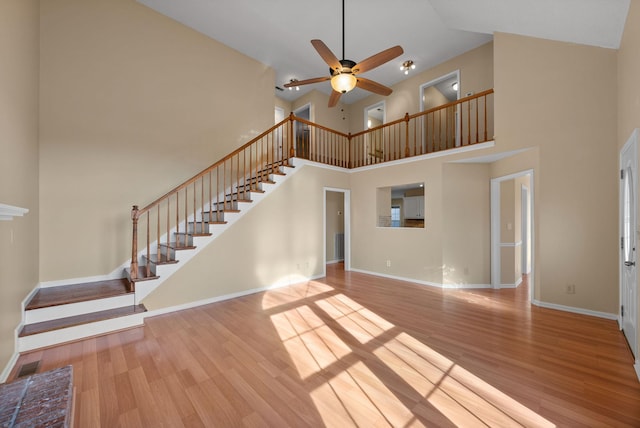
64,294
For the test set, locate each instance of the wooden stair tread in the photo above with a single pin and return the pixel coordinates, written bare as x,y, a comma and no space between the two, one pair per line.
55,296
208,222
57,324
222,211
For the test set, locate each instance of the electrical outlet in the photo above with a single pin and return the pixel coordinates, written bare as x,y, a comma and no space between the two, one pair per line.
571,289
388,263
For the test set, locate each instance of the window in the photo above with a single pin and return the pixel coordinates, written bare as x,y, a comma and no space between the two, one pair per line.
395,216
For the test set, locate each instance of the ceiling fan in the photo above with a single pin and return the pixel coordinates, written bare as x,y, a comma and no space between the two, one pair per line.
344,73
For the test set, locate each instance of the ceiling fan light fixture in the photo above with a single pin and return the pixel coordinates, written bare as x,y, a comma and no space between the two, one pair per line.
407,65
343,82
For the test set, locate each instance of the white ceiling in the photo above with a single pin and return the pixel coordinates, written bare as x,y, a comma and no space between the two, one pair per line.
278,32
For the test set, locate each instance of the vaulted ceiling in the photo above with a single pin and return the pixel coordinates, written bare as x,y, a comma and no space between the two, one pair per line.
278,32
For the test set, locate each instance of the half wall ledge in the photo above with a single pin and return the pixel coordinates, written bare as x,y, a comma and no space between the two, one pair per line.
8,212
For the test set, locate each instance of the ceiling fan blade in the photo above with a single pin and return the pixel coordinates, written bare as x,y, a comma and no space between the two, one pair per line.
378,59
326,54
371,86
307,81
334,98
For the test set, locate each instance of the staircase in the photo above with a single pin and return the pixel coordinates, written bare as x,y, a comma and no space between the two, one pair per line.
70,312
174,228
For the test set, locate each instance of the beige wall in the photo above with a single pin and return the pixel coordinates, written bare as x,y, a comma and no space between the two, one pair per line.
132,103
454,246
561,98
335,118
283,104
476,74
414,252
628,71
18,162
433,98
466,220
267,246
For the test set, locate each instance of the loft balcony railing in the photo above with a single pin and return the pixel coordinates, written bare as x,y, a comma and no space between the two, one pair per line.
170,222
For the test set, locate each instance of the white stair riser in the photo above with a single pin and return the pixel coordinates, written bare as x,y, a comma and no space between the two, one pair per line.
72,309
55,337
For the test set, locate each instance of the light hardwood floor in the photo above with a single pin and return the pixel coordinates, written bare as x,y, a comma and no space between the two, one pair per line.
356,350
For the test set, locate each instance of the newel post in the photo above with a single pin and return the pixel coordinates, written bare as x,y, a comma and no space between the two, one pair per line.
406,140
292,152
134,246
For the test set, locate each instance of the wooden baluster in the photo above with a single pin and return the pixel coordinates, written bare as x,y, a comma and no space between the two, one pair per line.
415,139
406,149
224,187
186,215
468,123
218,193
177,217
158,232
147,265
186,220
134,246
210,202
485,117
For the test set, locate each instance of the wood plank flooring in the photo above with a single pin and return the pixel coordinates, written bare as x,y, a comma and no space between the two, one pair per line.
356,350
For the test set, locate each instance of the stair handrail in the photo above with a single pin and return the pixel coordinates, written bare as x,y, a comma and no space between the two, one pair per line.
325,145
137,212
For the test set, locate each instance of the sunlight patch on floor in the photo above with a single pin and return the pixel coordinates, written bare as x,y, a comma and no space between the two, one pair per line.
376,374
287,295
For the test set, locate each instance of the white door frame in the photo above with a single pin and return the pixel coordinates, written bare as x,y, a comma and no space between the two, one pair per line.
456,74
525,219
632,146
296,112
347,227
495,229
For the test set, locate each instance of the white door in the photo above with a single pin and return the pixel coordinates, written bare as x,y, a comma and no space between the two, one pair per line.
628,223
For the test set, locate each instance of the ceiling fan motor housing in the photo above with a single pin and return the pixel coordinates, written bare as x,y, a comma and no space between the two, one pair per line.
346,64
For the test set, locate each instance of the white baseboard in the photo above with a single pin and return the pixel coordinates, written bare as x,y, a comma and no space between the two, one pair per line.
575,310
512,285
7,369
421,282
331,262
169,309
637,367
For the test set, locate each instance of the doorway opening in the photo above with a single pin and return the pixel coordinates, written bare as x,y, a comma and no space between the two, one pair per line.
441,129
301,131
337,230
512,226
374,116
